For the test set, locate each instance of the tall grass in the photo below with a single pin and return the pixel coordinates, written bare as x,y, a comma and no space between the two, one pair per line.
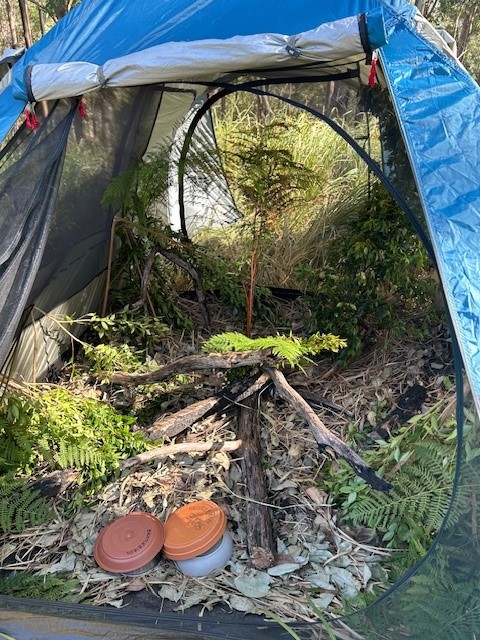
304,228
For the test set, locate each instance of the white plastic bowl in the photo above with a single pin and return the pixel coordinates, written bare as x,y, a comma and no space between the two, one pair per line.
212,560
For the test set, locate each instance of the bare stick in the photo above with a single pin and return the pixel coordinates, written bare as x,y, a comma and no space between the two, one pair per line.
183,264
197,285
144,280
188,364
324,437
182,447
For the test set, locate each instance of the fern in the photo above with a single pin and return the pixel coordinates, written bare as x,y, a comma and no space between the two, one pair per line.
409,516
20,506
54,588
421,492
16,439
79,456
289,348
57,429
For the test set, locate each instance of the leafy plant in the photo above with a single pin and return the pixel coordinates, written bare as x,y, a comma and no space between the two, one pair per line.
267,181
443,594
53,588
303,228
107,358
126,323
419,461
56,429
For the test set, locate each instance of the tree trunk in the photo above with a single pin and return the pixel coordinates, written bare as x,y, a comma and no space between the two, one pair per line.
27,31
464,26
12,24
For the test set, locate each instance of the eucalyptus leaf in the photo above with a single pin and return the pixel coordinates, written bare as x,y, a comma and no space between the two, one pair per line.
348,585
256,584
282,569
240,603
170,593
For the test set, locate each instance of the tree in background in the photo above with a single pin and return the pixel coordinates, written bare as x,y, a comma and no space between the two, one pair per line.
461,18
22,22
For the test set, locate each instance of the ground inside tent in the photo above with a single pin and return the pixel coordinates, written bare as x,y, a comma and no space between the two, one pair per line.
320,562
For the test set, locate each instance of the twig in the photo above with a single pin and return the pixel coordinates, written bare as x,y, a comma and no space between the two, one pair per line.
183,264
323,402
144,279
324,437
182,447
170,255
115,222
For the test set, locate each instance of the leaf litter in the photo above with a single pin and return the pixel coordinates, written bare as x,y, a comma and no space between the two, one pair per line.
314,554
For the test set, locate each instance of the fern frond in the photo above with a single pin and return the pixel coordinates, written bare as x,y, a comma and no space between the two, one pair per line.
20,506
289,348
419,500
54,588
78,455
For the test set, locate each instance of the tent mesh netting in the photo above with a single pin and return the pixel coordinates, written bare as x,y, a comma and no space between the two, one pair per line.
442,593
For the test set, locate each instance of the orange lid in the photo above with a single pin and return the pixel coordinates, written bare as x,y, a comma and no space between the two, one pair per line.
129,543
193,529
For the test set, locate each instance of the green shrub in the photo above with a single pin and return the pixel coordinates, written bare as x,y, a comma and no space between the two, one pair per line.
419,461
375,277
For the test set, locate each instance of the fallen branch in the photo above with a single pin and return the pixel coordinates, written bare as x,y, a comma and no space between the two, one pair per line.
188,364
182,447
172,425
324,437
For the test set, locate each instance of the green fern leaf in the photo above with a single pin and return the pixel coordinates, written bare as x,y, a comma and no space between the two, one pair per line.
20,506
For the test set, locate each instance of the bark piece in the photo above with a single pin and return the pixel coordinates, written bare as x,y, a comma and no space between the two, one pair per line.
172,425
325,438
258,522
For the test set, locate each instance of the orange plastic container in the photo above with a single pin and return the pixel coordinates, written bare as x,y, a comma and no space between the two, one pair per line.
130,545
196,538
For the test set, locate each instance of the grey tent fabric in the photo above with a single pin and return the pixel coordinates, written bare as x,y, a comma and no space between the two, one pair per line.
55,231
28,188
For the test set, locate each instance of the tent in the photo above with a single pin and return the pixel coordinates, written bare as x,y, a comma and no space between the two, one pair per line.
140,67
